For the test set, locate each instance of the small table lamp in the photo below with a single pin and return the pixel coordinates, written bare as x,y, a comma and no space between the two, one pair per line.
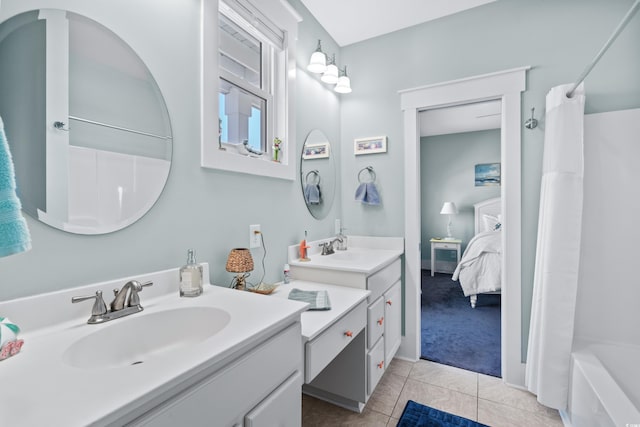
449,208
240,261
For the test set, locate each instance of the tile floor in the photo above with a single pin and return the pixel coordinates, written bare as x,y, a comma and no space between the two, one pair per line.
475,396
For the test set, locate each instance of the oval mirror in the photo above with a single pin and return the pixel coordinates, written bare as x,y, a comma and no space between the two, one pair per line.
318,174
87,126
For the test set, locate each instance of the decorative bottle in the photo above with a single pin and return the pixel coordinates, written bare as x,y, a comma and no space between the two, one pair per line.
191,277
287,274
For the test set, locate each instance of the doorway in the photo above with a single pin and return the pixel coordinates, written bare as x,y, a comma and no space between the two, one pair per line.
507,87
455,143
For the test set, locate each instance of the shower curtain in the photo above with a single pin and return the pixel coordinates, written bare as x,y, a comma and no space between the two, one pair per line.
555,280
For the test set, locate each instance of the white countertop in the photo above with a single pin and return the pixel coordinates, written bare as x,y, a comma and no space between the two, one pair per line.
41,389
314,322
365,254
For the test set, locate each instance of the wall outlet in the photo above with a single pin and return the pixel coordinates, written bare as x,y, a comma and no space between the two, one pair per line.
254,236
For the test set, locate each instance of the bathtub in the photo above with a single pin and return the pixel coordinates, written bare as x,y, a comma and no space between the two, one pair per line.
605,386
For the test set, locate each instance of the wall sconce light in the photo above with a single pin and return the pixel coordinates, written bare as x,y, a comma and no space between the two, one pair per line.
318,61
331,74
344,83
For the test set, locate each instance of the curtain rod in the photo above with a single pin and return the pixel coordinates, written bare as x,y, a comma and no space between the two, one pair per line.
606,46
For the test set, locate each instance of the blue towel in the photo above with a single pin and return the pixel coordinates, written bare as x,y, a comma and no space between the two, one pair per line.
312,194
367,193
14,234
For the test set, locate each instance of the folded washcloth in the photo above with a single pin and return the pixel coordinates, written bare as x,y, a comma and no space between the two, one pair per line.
318,300
367,193
312,194
14,234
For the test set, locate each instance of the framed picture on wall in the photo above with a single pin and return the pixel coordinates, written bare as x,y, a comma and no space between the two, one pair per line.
487,174
376,144
315,151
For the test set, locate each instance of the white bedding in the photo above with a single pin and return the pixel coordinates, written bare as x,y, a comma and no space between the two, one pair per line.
479,269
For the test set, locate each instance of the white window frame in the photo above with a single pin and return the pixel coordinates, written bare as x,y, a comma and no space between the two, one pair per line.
280,115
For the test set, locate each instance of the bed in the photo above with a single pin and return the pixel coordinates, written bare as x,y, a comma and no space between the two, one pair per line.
480,268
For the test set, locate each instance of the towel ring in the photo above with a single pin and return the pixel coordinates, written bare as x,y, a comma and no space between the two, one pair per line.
316,173
372,174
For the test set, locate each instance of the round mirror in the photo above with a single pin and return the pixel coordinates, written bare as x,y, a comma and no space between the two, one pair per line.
318,174
87,126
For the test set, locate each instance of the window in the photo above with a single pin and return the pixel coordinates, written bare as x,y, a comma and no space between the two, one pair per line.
248,56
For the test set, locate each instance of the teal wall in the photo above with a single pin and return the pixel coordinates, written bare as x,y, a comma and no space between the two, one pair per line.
447,174
557,38
208,210
211,210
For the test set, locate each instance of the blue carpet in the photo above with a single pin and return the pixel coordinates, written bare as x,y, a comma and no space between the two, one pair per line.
455,334
417,415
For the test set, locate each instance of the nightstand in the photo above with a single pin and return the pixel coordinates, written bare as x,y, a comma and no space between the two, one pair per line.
442,244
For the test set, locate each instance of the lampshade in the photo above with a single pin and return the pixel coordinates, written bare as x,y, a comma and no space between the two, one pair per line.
239,261
344,83
331,73
318,61
449,208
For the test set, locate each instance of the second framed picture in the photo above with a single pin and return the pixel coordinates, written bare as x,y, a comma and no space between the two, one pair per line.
376,144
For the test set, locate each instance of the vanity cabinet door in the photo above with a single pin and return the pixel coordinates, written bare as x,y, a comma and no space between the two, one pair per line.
281,408
376,365
375,322
223,398
392,320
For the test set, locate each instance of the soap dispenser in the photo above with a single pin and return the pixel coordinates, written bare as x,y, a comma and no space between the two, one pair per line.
191,277
342,242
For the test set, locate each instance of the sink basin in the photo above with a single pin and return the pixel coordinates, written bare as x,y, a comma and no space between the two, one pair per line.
346,256
140,337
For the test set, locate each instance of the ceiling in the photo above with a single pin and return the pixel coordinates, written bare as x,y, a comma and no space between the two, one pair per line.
359,20
463,118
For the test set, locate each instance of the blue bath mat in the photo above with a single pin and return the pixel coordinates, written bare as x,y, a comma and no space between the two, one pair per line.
417,415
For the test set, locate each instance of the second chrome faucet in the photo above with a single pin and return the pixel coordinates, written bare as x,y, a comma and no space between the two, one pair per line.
126,301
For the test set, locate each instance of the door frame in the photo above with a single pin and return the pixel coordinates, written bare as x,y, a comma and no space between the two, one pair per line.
507,86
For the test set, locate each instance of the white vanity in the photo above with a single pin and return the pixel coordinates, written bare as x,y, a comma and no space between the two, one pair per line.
226,358
370,264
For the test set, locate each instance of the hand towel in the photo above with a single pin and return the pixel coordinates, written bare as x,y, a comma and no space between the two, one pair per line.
312,194
318,300
14,234
367,193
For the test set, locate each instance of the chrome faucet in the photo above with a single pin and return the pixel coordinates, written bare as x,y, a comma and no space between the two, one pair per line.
126,302
327,247
131,299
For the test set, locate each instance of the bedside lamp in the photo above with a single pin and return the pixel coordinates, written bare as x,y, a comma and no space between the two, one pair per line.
449,208
240,261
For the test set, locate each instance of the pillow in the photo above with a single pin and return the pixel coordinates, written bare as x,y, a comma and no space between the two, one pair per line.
491,223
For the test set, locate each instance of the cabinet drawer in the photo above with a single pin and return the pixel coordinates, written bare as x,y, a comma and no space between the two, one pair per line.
224,397
392,321
380,282
376,365
375,321
321,350
445,246
282,408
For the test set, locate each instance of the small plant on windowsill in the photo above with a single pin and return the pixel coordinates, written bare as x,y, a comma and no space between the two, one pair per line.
277,142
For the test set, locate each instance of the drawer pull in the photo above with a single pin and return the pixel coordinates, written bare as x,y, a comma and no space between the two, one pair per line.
389,302
380,365
348,334
380,320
